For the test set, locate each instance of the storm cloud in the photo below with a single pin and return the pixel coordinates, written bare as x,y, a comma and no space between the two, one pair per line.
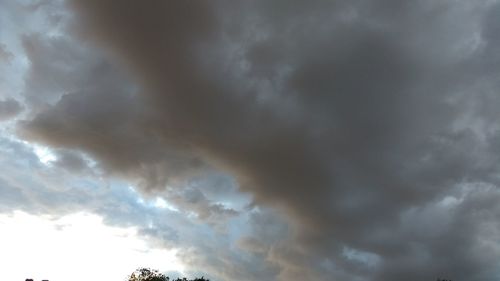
371,126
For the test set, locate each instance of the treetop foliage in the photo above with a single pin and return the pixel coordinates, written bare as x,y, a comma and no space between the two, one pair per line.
147,274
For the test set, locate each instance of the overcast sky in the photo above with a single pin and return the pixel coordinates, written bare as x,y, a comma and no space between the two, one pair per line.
250,140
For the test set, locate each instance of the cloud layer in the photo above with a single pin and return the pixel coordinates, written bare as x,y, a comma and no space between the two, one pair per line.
370,127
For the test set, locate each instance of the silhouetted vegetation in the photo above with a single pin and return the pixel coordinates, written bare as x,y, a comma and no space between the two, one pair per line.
147,274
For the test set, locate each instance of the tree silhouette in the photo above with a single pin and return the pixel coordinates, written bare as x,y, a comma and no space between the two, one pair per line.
148,274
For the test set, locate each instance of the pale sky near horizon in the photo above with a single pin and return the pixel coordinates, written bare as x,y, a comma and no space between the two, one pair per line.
65,248
250,140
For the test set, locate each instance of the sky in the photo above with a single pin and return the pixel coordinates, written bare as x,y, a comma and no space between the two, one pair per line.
250,140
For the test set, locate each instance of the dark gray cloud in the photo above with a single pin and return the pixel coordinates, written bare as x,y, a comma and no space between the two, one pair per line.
75,80
71,161
371,124
9,108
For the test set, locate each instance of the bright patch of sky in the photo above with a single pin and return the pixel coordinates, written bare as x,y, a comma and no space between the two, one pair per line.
44,154
163,204
75,247
369,259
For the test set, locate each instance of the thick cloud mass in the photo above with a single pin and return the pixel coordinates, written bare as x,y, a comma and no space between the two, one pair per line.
372,125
